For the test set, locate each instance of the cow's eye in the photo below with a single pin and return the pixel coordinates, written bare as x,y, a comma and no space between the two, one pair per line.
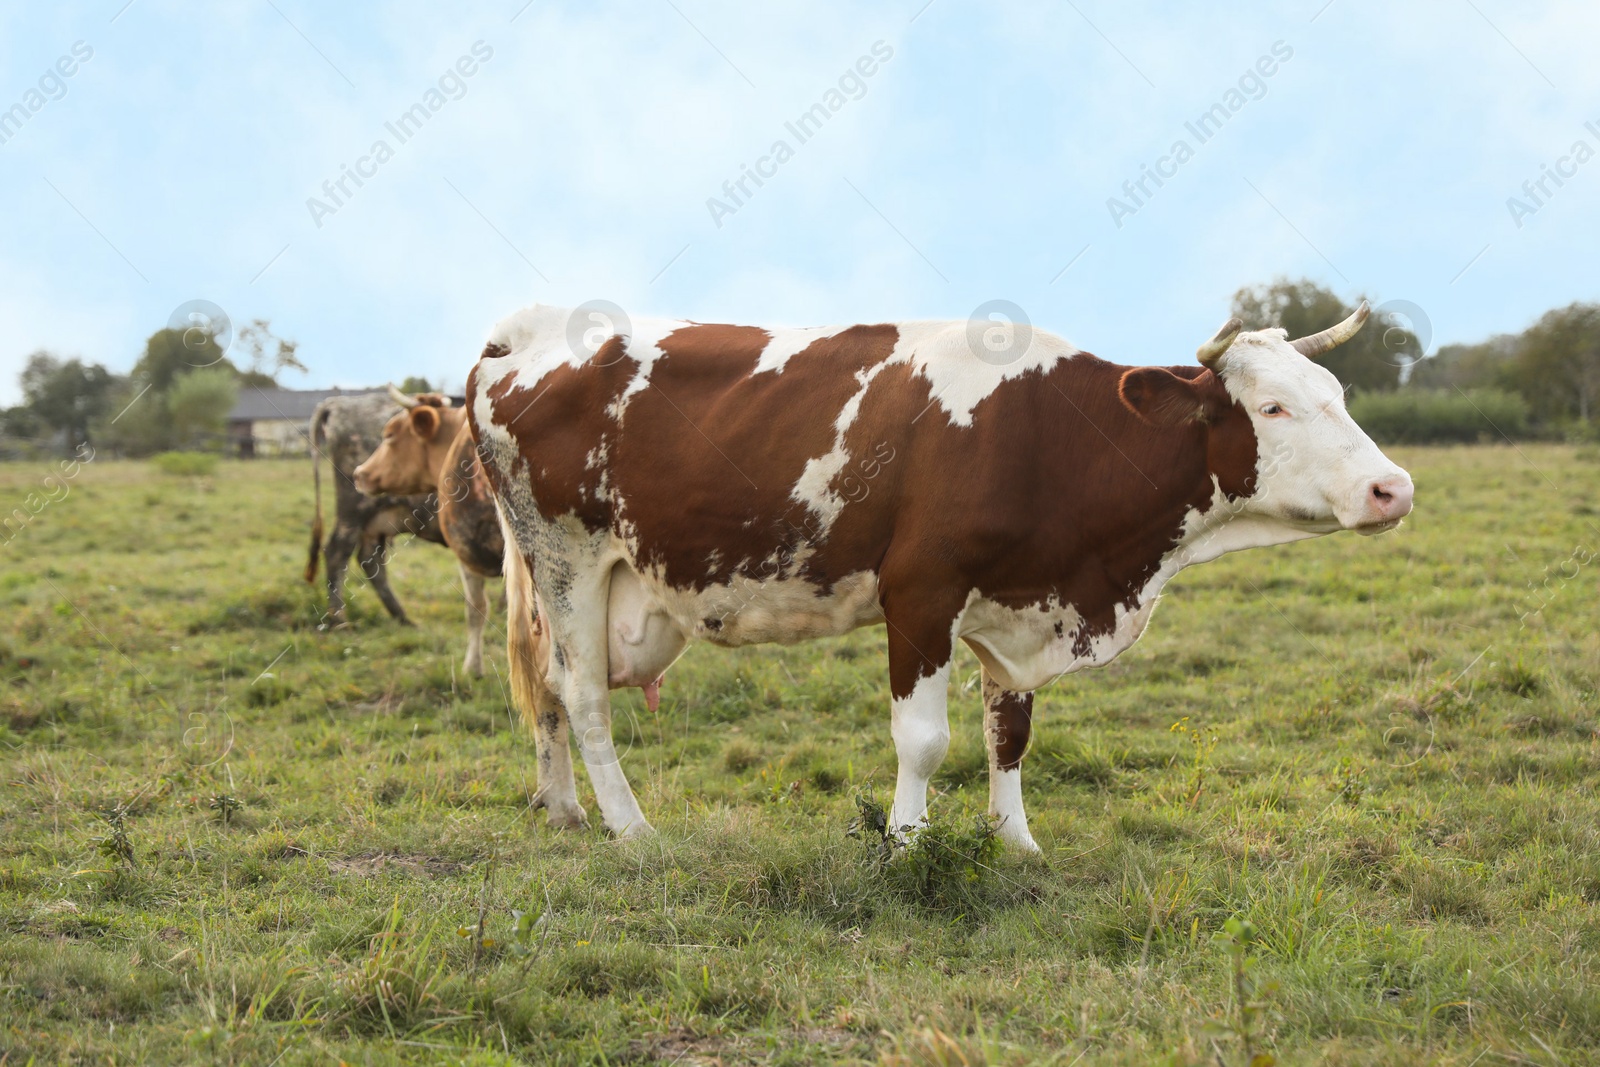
1271,410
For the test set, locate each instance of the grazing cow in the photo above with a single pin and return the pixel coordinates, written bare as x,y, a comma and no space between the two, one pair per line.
988,484
348,428
426,450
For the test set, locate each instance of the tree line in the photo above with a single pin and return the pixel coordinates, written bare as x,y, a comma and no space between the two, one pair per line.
1542,382
177,396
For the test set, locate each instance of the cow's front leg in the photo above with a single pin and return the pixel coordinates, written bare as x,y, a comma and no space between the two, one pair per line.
920,723
1007,725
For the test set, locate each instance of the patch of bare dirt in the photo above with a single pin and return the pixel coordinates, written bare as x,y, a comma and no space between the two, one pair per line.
369,864
685,1048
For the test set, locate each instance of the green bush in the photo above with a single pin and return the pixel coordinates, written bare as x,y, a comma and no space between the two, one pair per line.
947,864
195,463
199,401
1424,416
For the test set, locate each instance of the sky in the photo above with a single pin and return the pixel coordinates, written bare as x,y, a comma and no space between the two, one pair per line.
970,153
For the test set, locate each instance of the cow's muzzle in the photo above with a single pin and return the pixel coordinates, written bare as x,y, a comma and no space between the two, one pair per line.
1386,501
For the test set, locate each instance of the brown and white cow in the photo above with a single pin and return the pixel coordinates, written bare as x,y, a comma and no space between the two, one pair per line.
739,484
426,449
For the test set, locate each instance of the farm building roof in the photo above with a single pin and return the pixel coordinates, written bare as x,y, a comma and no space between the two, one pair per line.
254,404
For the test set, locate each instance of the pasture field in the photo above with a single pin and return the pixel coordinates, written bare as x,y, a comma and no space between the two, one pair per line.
227,837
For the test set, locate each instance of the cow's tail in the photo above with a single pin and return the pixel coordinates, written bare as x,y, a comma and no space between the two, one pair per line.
319,420
526,642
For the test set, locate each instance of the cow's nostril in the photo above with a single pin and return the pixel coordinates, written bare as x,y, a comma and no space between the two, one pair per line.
1382,495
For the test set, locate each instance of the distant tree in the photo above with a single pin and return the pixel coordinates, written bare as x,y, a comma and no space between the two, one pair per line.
199,402
270,355
136,422
1557,365
414,384
21,421
66,396
1371,360
1486,364
169,354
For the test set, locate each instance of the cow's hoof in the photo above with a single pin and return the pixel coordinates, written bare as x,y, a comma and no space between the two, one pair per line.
1015,836
1021,843
634,831
566,818
473,667
902,832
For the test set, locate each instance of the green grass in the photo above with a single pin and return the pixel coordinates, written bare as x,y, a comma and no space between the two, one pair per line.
1401,797
194,463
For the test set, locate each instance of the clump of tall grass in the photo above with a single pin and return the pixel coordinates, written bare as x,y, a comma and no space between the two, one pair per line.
948,864
192,464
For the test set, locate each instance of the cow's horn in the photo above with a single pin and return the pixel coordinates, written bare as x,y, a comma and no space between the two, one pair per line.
400,398
1320,343
1212,350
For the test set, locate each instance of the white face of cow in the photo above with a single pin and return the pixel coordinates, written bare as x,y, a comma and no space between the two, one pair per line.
1316,470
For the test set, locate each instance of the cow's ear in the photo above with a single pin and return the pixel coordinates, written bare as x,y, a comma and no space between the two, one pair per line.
425,421
1162,398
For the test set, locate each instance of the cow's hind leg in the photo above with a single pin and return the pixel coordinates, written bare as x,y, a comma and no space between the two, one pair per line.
580,672
336,554
477,616
528,652
1007,724
375,565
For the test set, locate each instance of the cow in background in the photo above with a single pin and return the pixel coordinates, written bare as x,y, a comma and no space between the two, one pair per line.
348,429
428,448
424,453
